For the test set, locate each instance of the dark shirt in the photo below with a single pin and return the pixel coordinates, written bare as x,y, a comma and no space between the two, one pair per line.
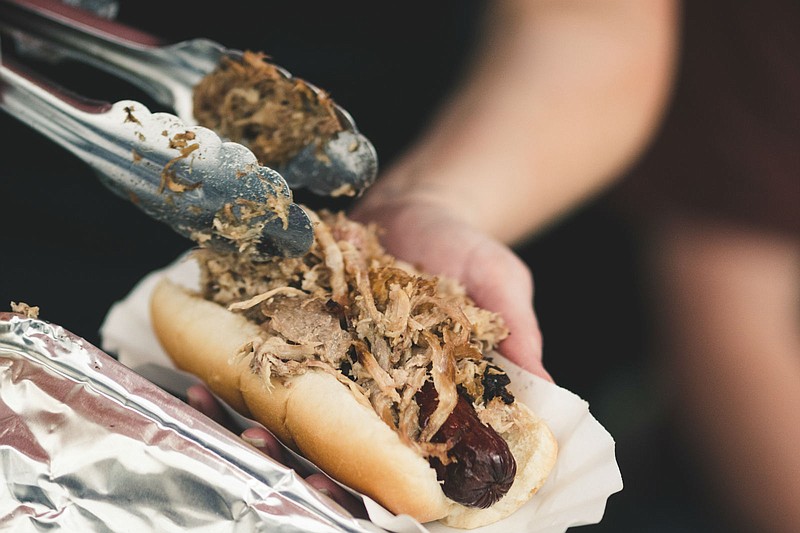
729,147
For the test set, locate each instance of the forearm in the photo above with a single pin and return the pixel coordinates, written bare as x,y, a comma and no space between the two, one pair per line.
561,98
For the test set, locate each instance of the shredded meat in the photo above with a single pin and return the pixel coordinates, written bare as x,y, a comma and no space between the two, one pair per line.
250,101
169,180
498,415
382,328
444,380
29,311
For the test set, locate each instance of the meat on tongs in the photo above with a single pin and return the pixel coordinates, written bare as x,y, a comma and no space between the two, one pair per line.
196,170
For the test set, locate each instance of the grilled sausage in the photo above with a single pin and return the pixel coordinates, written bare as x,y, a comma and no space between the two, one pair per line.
482,467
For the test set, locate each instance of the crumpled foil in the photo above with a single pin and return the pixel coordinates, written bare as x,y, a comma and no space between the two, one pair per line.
88,445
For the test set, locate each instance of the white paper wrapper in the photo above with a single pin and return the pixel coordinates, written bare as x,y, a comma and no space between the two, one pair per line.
585,475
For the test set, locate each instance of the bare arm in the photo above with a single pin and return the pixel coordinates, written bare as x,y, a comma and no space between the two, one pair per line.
563,95
561,98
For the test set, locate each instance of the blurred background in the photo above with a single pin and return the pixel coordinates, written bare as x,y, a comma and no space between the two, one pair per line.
73,248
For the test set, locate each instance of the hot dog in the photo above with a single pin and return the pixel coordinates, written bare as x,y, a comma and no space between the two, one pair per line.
482,468
378,373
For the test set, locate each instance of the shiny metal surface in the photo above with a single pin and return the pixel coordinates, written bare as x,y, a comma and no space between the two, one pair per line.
135,155
131,159
169,72
88,445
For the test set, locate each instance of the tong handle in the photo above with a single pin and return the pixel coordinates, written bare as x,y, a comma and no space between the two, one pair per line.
50,14
132,152
131,54
169,73
67,119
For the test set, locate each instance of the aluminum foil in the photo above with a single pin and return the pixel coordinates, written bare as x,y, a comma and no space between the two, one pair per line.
88,445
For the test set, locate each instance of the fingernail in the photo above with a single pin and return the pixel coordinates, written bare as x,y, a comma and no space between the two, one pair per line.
326,492
258,442
191,398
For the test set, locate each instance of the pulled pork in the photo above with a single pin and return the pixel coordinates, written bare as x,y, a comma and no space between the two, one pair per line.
379,326
29,311
252,102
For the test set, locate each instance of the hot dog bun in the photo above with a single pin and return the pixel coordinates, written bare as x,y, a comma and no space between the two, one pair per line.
318,416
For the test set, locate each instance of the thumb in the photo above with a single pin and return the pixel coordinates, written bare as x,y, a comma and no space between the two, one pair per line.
507,289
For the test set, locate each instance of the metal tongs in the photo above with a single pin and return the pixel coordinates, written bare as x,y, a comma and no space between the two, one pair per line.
177,172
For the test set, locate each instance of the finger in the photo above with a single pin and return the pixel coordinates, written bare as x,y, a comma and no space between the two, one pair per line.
264,441
524,342
510,346
329,488
507,288
201,399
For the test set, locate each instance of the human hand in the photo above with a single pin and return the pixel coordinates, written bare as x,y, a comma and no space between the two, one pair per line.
427,235
201,399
